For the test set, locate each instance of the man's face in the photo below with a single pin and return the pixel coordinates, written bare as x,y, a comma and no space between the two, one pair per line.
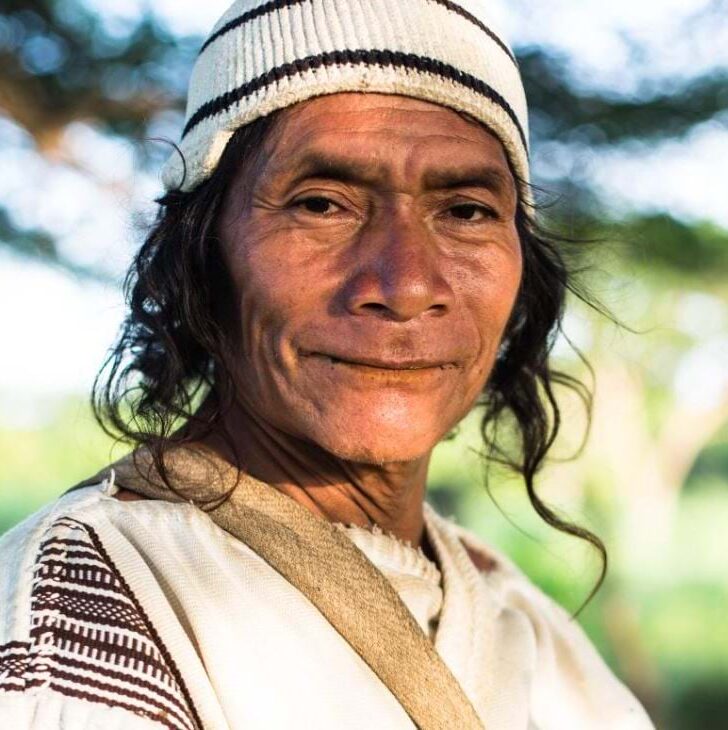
376,261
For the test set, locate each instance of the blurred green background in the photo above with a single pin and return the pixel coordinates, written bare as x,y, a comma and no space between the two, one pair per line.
630,144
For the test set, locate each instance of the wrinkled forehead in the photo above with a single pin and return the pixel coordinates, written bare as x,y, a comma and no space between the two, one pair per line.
380,135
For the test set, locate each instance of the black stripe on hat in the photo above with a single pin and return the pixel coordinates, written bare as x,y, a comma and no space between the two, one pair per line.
274,5
264,9
395,59
455,8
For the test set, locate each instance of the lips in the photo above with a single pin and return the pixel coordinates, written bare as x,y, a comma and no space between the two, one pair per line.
383,363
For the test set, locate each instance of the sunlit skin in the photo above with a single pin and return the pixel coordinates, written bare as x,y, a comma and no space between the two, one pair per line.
375,256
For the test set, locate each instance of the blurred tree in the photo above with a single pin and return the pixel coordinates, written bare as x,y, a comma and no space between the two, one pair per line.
565,110
62,63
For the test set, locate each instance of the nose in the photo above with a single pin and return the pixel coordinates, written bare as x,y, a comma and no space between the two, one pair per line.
398,274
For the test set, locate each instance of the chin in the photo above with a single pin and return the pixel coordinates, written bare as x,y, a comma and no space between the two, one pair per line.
376,436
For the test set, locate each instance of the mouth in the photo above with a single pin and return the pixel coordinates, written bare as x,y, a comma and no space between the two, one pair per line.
375,363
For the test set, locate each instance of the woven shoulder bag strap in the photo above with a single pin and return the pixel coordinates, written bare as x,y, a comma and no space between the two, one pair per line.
322,563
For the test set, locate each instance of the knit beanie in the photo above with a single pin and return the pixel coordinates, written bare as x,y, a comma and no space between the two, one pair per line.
264,56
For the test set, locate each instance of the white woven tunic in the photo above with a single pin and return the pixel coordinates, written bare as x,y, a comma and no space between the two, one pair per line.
146,615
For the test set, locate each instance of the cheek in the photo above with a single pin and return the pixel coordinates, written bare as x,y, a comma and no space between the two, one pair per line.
490,293
261,303
501,292
275,299
267,311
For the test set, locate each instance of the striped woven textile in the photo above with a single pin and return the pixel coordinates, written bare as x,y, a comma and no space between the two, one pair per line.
91,638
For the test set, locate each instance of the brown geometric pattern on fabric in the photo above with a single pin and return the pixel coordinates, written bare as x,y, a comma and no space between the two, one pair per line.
90,638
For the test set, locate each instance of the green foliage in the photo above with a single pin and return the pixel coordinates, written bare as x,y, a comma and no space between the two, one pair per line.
667,246
39,463
710,468
568,111
61,62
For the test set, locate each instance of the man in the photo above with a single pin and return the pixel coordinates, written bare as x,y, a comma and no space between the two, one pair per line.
344,266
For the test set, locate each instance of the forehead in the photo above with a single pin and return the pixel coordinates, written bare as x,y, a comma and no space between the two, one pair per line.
382,129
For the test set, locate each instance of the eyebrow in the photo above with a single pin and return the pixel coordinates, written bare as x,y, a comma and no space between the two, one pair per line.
327,167
319,165
481,176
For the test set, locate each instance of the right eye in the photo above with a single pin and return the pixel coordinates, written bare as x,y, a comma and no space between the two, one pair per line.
315,204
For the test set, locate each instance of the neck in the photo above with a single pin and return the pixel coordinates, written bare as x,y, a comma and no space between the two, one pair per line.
389,495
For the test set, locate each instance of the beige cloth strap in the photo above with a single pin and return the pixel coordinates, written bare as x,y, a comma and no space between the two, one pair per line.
325,566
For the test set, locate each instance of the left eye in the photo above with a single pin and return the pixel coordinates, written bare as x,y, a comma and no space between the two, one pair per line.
466,211
316,204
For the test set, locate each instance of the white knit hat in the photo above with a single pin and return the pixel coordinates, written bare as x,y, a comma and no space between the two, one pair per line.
261,57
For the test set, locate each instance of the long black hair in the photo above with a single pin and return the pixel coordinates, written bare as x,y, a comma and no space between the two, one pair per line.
174,349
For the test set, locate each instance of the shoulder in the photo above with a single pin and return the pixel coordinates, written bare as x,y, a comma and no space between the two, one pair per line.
570,678
75,643
26,548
